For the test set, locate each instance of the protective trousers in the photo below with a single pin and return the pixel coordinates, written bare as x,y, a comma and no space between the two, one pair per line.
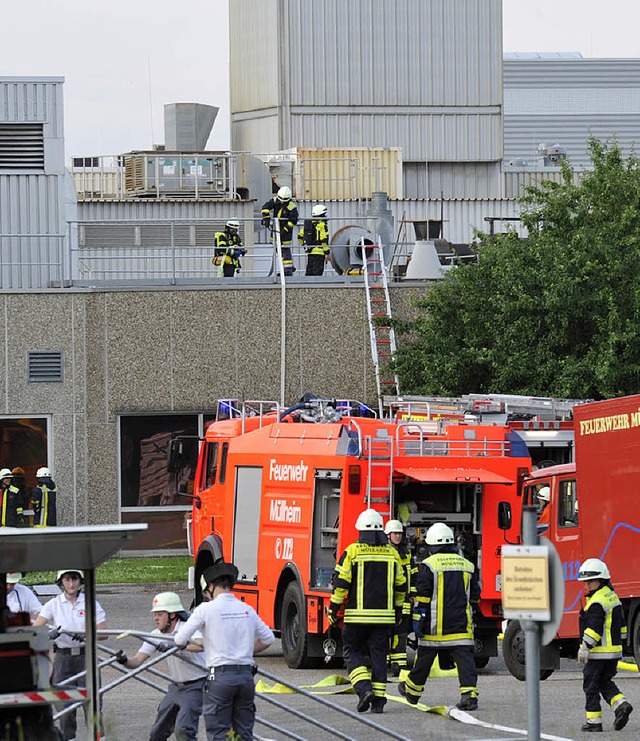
315,265
228,703
179,712
463,658
597,679
360,640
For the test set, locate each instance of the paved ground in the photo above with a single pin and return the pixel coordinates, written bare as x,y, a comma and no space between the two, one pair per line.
129,709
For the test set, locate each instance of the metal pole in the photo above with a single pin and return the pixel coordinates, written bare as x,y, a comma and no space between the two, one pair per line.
283,311
532,639
91,663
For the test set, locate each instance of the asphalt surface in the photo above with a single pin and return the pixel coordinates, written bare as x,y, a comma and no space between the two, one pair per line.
129,709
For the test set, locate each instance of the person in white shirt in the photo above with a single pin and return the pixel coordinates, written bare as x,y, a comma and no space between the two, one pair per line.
179,711
67,612
21,598
232,633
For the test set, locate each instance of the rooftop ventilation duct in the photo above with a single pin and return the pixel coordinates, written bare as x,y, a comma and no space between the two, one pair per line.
187,126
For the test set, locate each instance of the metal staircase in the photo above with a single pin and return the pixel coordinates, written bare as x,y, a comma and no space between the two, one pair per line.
381,332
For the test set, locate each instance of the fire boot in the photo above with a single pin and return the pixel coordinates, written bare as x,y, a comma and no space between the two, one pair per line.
622,713
592,728
467,702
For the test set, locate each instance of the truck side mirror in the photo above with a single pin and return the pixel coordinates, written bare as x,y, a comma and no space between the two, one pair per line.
176,455
504,515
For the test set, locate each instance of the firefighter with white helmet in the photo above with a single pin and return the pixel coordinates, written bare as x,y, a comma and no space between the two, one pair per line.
228,249
314,235
180,710
285,211
44,499
603,630
66,613
397,658
370,583
12,504
447,592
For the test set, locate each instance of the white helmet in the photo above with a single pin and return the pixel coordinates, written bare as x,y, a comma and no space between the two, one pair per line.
544,493
167,602
593,568
369,520
5,473
233,224
43,473
319,210
62,572
13,577
284,194
439,534
393,526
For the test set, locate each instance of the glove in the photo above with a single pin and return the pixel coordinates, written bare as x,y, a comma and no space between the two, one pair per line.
121,657
164,646
583,654
266,221
55,633
78,637
399,616
333,615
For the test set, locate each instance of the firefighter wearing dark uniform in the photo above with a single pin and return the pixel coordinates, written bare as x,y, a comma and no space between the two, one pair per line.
314,235
370,581
602,628
11,503
228,250
44,499
397,658
285,210
446,587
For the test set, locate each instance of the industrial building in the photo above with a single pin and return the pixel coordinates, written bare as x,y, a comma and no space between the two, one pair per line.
115,332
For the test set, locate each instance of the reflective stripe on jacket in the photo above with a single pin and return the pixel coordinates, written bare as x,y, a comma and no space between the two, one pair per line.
12,507
319,243
446,587
44,504
371,581
602,624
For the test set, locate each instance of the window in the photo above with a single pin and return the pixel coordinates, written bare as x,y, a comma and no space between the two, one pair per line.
212,465
22,147
24,443
568,509
223,463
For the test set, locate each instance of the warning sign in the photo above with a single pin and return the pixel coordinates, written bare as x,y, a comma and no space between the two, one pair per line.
525,583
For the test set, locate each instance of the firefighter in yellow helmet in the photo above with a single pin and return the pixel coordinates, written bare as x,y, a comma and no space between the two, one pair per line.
370,582
447,589
285,211
397,659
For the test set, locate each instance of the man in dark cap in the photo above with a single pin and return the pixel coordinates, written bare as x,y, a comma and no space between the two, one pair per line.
232,633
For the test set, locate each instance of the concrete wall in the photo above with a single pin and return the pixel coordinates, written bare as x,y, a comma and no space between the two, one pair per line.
172,350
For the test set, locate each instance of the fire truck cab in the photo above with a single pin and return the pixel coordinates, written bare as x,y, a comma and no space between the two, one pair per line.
278,493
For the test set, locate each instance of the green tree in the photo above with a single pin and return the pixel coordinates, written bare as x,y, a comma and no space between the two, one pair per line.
555,314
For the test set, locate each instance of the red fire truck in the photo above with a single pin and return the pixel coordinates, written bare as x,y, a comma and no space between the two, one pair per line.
278,493
594,512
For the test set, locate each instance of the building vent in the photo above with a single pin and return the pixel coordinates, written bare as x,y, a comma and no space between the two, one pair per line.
21,146
44,367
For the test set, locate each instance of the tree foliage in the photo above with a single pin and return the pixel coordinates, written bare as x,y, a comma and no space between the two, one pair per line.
556,314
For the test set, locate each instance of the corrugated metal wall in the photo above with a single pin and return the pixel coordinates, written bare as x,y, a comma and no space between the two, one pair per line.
564,100
32,204
423,75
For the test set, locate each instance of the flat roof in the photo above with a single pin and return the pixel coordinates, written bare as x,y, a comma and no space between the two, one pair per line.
47,548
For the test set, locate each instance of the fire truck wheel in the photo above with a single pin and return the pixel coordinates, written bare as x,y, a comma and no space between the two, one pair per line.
293,622
635,637
513,652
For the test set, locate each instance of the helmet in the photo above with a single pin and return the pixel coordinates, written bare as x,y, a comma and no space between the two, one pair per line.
62,572
218,571
393,526
13,577
593,568
319,210
167,602
18,471
439,534
369,520
544,493
5,473
43,473
233,224
284,194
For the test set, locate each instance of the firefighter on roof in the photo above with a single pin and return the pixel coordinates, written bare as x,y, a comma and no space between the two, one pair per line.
285,210
370,581
314,235
397,659
229,249
602,628
447,587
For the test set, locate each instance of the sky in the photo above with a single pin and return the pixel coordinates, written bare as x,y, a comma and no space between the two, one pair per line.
122,60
